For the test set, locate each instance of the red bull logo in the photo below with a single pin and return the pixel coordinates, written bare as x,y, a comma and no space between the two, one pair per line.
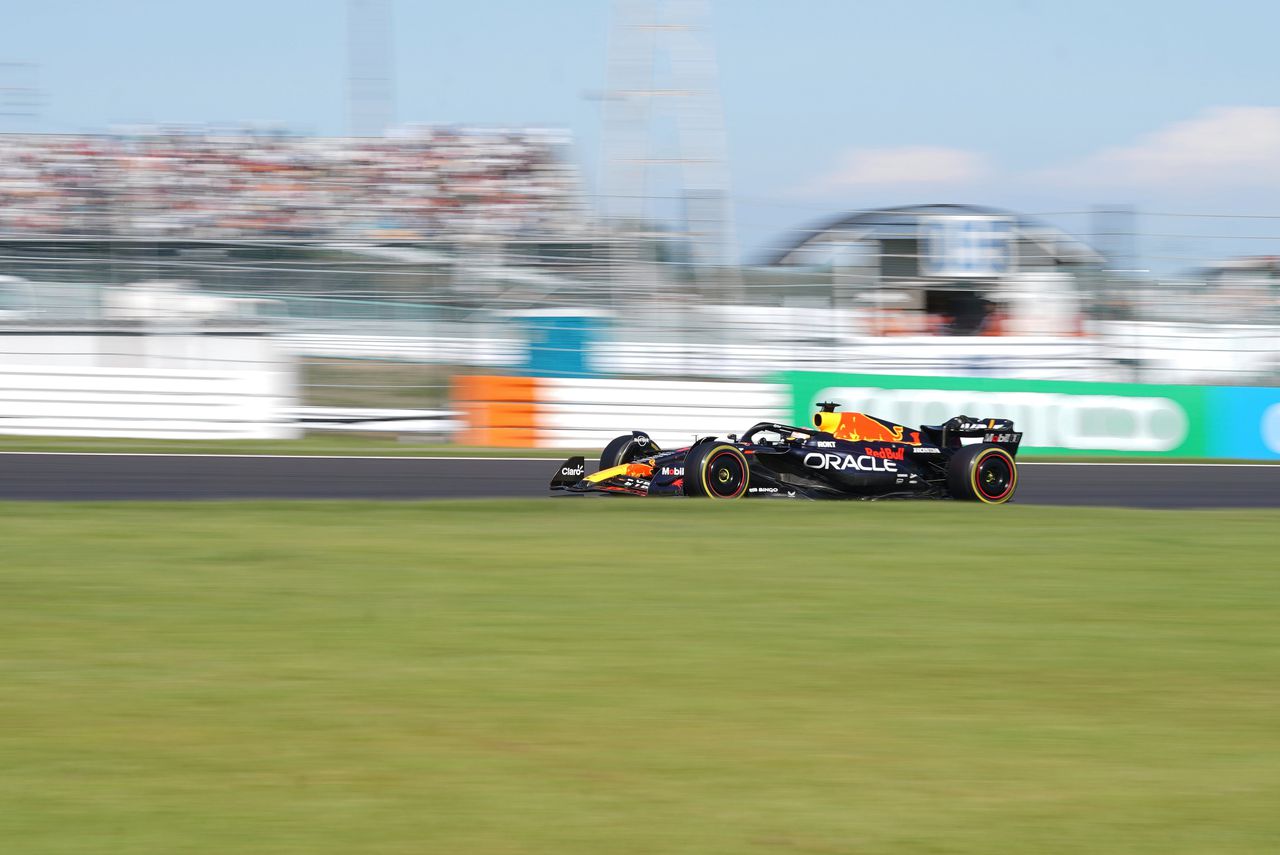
859,427
887,453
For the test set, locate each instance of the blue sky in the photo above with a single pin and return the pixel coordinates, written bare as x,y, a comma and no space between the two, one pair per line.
829,106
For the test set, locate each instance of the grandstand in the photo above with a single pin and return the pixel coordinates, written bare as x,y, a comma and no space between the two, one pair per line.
206,184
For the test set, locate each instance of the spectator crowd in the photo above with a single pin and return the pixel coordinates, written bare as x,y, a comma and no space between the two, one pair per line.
237,185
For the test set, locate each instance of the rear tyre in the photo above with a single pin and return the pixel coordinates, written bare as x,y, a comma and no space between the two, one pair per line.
620,450
716,471
982,473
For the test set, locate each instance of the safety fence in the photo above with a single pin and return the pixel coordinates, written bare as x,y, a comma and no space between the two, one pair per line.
571,343
579,308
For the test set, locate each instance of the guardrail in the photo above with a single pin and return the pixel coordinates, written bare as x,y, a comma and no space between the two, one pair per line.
439,424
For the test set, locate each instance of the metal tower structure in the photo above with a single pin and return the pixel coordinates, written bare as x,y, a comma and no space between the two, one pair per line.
20,95
370,68
664,147
1115,230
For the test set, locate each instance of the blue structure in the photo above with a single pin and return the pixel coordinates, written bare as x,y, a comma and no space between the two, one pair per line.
558,342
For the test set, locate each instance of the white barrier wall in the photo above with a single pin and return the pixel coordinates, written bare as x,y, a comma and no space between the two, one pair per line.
587,413
1193,353
131,381
151,403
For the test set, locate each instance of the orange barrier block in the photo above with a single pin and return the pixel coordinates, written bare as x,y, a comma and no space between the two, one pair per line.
501,412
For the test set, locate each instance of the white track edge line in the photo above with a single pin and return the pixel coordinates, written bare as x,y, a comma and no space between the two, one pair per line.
1275,466
263,456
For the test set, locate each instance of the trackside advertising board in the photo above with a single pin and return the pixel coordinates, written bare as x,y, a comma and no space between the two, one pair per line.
1244,422
1063,417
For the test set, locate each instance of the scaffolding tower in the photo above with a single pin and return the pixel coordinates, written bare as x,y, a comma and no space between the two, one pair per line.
20,95
663,175
370,68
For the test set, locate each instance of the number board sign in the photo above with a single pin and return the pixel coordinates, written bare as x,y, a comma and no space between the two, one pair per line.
967,247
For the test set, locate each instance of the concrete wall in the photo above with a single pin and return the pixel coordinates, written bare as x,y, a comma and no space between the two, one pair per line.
132,382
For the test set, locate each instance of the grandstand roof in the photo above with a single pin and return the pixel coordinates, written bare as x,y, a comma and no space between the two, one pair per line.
901,222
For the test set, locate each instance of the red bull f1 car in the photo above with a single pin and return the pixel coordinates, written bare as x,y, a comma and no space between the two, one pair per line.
843,456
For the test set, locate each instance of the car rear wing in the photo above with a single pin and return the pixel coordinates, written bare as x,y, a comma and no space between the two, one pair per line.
1009,439
994,431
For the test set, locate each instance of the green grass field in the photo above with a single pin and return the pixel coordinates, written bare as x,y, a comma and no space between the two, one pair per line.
576,677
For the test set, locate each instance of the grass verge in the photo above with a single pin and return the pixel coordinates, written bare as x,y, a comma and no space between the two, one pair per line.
586,677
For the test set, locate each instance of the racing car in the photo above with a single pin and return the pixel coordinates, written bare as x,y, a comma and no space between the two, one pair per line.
845,455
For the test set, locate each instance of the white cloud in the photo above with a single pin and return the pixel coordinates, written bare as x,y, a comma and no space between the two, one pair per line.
1222,152
908,166
1225,147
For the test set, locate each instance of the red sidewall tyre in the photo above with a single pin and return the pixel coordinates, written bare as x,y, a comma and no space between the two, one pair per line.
982,473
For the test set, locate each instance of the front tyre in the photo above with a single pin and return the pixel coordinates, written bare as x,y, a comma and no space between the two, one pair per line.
982,473
620,450
716,471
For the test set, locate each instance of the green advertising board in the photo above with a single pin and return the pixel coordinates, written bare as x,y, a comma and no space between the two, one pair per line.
1057,417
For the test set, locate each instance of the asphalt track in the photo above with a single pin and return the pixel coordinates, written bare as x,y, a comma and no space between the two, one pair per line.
85,477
